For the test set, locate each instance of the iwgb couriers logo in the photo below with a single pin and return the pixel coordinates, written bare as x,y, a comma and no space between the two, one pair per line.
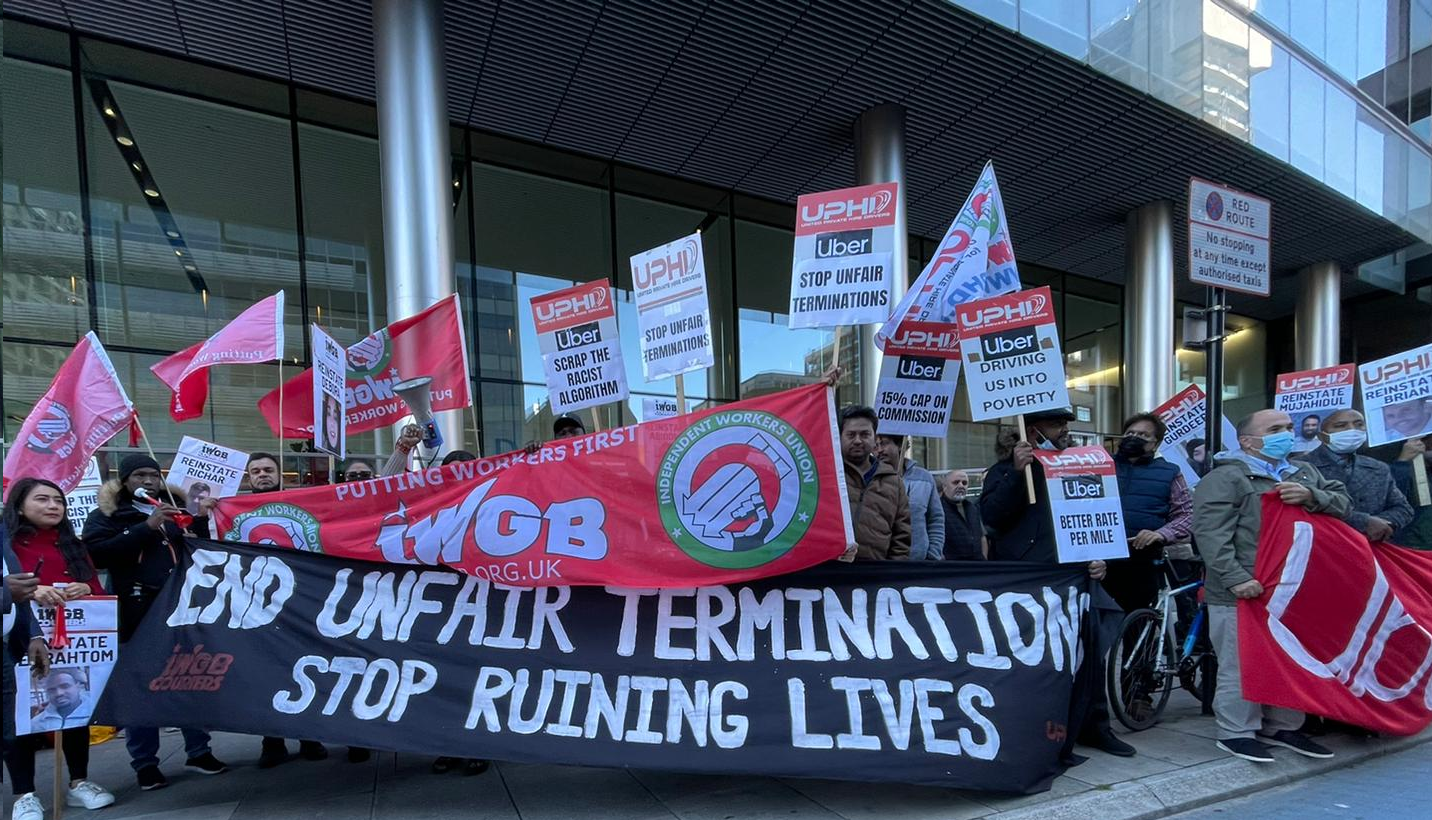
53,433
737,489
278,523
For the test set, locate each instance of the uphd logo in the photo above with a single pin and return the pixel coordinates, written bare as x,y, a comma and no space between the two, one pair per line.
840,210
924,368
917,339
578,336
1083,486
1410,366
555,310
1014,310
1337,378
1073,460
842,243
1008,343
672,267
1192,400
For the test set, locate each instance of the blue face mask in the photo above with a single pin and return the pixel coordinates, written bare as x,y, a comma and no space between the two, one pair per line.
1278,445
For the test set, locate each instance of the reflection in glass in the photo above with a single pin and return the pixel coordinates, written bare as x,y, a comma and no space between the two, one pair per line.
1059,24
1341,33
1308,27
1176,54
1268,95
1004,12
1305,119
1339,143
1225,70
1370,138
1119,40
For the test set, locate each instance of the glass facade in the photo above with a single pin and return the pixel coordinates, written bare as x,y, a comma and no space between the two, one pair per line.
1340,89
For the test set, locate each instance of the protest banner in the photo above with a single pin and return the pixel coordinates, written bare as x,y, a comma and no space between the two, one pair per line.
842,271
959,676
431,343
1310,396
918,375
1186,415
1228,234
669,286
330,416
84,498
203,469
82,658
581,356
740,491
1397,396
1084,504
1011,343
974,260
1343,629
660,407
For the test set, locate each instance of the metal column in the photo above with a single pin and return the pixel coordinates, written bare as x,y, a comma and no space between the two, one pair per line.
1317,319
415,164
1148,308
880,157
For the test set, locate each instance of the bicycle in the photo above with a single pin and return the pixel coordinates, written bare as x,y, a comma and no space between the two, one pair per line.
1148,655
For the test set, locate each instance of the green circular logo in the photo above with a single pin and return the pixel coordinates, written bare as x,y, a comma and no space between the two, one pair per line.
370,356
737,489
278,523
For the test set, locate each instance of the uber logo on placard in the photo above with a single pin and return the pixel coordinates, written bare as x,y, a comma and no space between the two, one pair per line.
925,368
1009,343
578,336
1083,486
842,243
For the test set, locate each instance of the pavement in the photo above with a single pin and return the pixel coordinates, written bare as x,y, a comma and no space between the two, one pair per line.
1177,769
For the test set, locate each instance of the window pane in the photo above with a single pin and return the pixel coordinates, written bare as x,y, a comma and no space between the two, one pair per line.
1003,12
1309,26
46,295
1419,193
1306,119
173,268
1225,70
1268,95
1176,54
1119,44
1370,140
1341,32
1059,24
1339,143
1372,40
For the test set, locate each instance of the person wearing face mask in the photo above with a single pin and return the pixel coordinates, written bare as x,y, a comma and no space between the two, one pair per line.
1227,518
1021,531
1379,509
964,531
1157,507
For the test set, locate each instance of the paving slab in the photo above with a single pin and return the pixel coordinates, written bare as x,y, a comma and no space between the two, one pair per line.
885,801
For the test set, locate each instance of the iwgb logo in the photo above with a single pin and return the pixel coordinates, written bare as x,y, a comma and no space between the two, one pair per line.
1016,309
1299,382
54,433
658,269
277,523
846,209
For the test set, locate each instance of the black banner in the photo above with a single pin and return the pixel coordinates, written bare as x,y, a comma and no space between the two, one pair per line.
950,674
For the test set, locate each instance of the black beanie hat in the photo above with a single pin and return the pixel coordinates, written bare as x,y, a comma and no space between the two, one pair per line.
132,462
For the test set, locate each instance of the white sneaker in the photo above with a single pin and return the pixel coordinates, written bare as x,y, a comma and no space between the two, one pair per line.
28,807
88,794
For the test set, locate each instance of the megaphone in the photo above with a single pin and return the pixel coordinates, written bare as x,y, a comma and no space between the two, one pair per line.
416,395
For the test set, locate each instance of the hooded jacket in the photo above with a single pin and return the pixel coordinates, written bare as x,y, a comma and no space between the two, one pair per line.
1228,516
927,514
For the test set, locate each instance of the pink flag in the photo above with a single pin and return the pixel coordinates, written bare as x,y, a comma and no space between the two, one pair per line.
254,336
84,407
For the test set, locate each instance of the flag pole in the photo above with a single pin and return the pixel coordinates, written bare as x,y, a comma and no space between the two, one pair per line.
59,785
680,394
279,452
149,448
1419,474
476,428
1028,468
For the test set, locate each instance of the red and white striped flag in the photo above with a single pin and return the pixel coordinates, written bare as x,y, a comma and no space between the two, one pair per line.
254,336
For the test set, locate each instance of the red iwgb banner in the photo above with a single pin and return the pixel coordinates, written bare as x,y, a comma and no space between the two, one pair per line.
1342,627
428,344
723,495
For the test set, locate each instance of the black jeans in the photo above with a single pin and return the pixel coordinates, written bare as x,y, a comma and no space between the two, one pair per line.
20,757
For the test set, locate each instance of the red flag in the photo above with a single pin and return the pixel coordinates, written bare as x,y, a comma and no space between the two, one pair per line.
254,336
431,343
1342,629
84,407
727,494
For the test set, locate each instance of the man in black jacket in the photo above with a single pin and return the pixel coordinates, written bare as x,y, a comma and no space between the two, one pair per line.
964,532
1024,531
139,543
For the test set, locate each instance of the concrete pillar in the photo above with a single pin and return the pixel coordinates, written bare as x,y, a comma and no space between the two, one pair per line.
880,157
416,164
1148,308
1317,320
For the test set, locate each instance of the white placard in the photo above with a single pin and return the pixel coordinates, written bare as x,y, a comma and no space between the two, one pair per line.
581,356
1397,396
66,697
1310,396
1084,504
1228,234
203,469
1011,346
841,271
669,285
330,391
661,407
1186,416
84,498
916,392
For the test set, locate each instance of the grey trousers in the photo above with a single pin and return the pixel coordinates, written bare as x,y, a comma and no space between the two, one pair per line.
1238,717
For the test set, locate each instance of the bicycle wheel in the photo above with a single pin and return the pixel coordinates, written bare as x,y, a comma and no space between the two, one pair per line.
1139,685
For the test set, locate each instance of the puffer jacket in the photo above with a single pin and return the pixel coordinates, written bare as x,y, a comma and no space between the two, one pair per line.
1228,515
881,513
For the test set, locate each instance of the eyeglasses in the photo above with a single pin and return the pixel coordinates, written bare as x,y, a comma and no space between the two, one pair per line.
358,476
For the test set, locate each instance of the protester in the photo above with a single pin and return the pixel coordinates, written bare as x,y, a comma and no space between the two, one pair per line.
1228,515
21,637
1197,451
1379,509
408,440
927,515
39,528
357,470
568,427
1418,534
964,531
265,475
1021,531
139,543
879,507
1158,511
